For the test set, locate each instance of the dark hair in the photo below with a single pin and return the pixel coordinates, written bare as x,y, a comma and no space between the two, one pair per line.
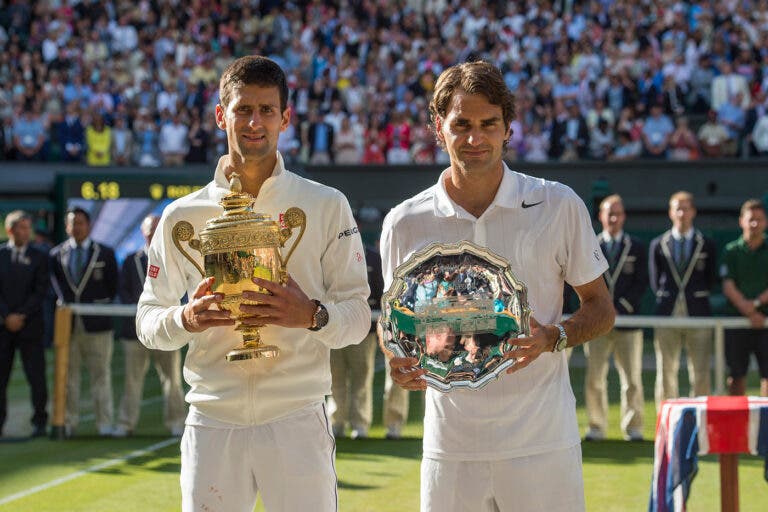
253,70
477,77
76,209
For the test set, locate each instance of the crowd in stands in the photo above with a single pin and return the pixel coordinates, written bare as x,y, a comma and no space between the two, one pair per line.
118,82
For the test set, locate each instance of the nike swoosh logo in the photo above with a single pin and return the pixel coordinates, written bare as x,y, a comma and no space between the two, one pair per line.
528,205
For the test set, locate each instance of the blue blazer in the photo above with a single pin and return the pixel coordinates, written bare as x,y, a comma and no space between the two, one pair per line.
627,277
98,285
695,281
23,286
132,276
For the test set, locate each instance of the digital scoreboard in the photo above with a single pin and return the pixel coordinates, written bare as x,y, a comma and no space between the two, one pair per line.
157,188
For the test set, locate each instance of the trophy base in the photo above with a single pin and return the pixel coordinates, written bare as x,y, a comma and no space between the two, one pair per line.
245,353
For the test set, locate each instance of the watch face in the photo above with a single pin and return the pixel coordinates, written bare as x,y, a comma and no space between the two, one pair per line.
321,317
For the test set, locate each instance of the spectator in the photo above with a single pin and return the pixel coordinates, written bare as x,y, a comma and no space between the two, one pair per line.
145,134
98,142
71,134
172,141
699,97
122,142
398,139
712,136
320,139
570,137
727,85
657,132
683,144
23,287
374,145
601,140
627,280
536,144
85,271
744,271
733,118
29,135
197,140
682,272
345,145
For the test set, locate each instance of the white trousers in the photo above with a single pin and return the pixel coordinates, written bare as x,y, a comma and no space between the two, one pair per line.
395,402
168,367
352,383
290,462
627,349
95,349
549,482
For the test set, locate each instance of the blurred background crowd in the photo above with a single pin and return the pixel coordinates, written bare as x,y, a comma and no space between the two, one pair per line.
125,82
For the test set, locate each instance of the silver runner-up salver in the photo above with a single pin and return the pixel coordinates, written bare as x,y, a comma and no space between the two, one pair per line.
457,308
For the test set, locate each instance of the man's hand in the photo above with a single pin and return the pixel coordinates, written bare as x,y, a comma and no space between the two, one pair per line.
757,319
284,305
405,374
542,339
14,322
198,315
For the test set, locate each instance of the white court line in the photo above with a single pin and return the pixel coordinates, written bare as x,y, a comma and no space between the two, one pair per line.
92,469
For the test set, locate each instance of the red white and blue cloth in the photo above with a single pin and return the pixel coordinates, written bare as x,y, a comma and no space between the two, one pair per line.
689,427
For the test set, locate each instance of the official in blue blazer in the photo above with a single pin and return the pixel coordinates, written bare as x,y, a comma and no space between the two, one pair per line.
85,271
23,285
627,280
682,270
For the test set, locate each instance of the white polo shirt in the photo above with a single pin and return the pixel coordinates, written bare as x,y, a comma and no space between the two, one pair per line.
328,265
543,229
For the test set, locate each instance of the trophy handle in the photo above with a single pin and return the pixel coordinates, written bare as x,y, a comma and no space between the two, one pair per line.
182,232
293,217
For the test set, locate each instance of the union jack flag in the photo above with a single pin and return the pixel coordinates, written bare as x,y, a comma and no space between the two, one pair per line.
689,427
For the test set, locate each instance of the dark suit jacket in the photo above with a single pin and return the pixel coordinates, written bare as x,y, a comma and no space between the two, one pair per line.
23,286
627,277
132,276
695,281
558,138
98,285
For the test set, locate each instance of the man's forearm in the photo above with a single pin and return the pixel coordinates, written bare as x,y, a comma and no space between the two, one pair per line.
594,318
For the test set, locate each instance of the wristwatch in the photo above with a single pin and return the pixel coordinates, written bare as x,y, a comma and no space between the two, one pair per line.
757,302
562,341
320,318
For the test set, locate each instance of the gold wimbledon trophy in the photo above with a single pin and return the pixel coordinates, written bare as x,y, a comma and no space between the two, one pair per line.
236,247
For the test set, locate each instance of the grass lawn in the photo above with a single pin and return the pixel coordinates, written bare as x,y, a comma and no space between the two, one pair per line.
97,475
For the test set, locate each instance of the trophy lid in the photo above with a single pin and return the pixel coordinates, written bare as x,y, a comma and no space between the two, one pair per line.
237,207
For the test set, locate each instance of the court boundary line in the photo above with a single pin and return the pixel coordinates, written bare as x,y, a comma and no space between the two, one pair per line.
77,474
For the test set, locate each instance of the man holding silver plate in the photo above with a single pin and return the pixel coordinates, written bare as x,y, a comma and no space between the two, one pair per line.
272,302
489,297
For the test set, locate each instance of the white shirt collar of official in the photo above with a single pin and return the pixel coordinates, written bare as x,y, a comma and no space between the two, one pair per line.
687,235
220,178
13,247
606,237
86,243
506,196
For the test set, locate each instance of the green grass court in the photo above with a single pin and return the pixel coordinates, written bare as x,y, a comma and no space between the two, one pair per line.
141,473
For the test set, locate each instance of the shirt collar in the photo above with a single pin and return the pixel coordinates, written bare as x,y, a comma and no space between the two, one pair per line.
86,243
688,235
220,177
506,195
14,248
607,238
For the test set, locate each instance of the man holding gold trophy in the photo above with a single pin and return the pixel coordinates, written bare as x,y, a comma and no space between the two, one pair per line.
513,444
275,280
